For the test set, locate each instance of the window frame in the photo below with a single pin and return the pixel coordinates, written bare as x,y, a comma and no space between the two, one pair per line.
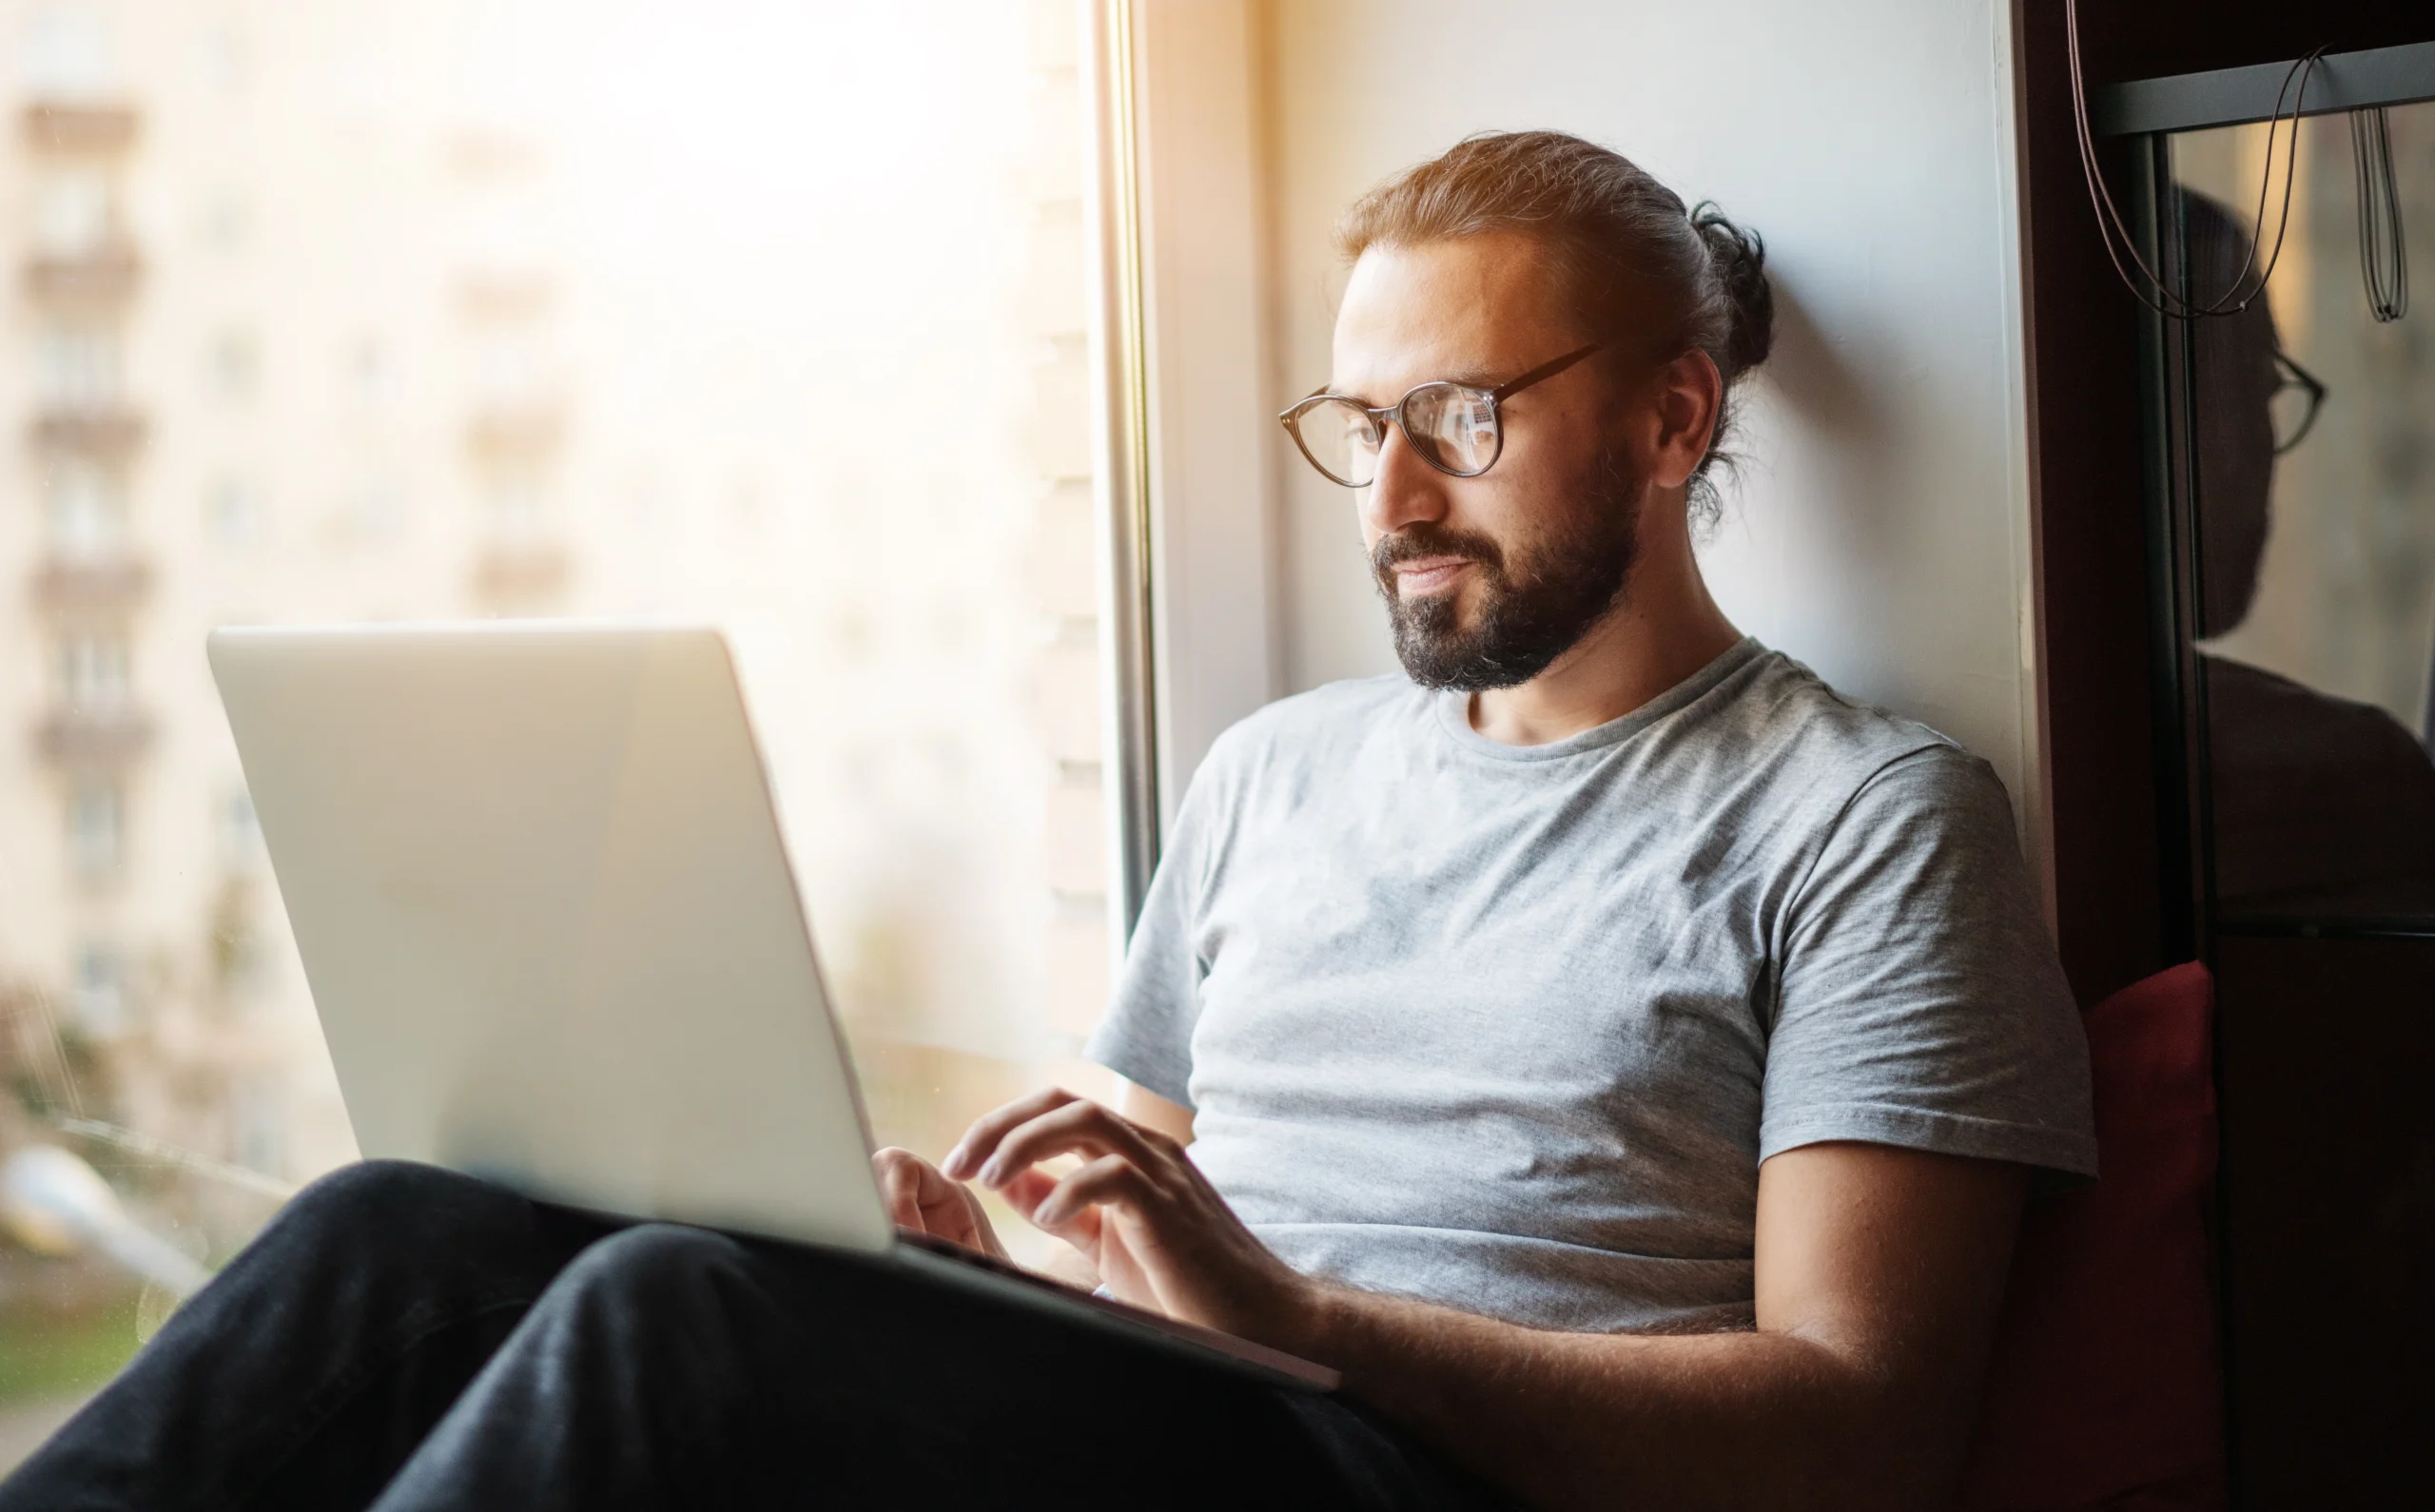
1188,458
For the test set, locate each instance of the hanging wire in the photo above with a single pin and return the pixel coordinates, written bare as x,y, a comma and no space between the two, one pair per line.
2115,232
2383,260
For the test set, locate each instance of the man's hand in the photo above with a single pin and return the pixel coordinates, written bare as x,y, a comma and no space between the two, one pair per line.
1150,1223
922,1200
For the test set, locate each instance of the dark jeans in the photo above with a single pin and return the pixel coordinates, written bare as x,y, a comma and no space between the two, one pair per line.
401,1337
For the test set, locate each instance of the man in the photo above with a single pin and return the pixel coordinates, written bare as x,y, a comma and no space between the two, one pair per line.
1621,1058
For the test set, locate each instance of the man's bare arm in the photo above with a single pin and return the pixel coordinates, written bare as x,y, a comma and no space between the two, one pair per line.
1151,1110
1879,1274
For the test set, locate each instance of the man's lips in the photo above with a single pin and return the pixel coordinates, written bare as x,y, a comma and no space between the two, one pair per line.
1427,574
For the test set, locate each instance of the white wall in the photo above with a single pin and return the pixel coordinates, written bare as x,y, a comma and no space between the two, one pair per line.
1880,532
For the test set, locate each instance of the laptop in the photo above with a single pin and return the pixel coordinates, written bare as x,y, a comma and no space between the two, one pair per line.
551,930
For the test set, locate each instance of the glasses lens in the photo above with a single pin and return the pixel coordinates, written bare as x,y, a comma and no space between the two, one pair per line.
1452,427
2293,407
1339,435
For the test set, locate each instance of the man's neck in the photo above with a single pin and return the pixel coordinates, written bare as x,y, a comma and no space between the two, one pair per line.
1664,629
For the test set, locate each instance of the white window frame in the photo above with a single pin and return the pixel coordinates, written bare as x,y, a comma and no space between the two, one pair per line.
1188,453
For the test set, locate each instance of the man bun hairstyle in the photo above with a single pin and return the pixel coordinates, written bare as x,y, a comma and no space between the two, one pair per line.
1642,273
1739,259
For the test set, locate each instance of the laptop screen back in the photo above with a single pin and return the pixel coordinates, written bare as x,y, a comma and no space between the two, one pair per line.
548,921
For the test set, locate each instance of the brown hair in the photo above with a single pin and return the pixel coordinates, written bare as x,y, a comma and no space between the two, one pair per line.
1631,256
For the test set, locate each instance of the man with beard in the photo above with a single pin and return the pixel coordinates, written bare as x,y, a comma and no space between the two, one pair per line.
1624,1059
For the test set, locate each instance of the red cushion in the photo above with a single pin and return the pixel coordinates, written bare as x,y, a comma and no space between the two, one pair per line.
2104,1390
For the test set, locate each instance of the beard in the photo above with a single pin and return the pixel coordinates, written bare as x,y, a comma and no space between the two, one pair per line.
1530,610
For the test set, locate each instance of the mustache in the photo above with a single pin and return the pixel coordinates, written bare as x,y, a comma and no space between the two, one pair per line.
1428,538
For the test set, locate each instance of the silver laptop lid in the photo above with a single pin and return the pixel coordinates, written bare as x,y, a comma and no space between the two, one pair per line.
547,919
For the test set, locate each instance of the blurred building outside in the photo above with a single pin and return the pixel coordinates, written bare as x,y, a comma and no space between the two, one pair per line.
769,315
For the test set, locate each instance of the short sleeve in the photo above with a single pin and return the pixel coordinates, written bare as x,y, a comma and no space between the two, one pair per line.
1146,1036
1919,1001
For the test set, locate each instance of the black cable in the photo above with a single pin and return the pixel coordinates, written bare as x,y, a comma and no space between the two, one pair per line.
2115,233
2384,257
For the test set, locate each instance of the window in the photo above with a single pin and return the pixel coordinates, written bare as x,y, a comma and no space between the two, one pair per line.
513,508
510,371
2315,485
93,671
77,366
101,992
232,365
233,511
96,838
86,506
74,212
224,220
2292,503
768,315
67,53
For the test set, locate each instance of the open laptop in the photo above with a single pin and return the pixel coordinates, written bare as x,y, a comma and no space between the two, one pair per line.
551,930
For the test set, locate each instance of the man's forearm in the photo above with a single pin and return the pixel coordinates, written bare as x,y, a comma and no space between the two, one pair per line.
1571,1420
1876,1277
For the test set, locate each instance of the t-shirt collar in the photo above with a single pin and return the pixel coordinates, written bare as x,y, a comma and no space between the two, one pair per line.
1454,713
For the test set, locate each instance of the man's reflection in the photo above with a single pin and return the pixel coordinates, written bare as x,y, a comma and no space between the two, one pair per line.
2322,806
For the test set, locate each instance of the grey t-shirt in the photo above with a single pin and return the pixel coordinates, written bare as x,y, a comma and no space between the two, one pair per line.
1511,1028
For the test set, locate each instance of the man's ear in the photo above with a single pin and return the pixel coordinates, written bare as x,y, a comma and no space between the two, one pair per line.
1689,391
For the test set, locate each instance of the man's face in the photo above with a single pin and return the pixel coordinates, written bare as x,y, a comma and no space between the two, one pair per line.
2235,380
1487,580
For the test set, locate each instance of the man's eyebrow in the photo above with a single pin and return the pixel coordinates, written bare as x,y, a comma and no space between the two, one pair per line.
1470,378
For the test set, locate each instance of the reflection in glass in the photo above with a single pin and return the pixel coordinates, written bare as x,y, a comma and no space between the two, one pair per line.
2294,402
2314,432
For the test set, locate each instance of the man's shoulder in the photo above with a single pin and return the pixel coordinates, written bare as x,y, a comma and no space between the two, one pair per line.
1833,745
1786,704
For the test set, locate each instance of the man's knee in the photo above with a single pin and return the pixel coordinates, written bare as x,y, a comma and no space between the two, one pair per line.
394,1205
657,1261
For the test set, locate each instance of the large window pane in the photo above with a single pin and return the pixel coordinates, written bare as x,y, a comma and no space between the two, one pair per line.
767,314
2314,462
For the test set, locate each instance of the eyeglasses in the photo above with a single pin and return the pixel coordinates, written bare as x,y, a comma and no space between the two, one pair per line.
2294,403
1454,427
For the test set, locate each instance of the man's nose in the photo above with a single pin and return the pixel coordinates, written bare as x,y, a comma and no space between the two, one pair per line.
1406,488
